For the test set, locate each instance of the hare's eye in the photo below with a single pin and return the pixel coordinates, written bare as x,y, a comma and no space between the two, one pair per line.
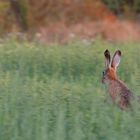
103,72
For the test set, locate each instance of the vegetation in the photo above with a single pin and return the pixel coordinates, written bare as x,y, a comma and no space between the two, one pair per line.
48,93
29,14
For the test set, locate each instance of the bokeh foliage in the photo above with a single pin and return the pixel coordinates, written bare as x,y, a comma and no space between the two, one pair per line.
30,14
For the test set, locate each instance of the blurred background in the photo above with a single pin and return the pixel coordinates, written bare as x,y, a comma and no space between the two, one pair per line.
51,63
65,20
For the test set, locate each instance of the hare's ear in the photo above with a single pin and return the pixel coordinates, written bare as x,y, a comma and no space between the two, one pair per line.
116,59
107,58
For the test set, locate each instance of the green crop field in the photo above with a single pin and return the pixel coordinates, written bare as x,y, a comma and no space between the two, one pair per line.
54,92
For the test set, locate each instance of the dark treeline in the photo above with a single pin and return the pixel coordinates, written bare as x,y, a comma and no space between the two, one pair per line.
27,14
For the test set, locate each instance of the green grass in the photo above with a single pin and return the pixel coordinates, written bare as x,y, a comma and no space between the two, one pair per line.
55,92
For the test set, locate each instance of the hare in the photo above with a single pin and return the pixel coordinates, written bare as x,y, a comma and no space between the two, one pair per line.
119,92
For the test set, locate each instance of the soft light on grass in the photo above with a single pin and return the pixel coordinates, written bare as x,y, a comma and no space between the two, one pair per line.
55,93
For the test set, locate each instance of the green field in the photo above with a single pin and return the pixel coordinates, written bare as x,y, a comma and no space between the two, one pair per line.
54,92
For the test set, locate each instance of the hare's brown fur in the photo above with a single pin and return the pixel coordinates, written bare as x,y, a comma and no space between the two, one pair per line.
119,92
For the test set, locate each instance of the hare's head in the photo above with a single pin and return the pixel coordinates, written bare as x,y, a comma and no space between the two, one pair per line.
110,66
